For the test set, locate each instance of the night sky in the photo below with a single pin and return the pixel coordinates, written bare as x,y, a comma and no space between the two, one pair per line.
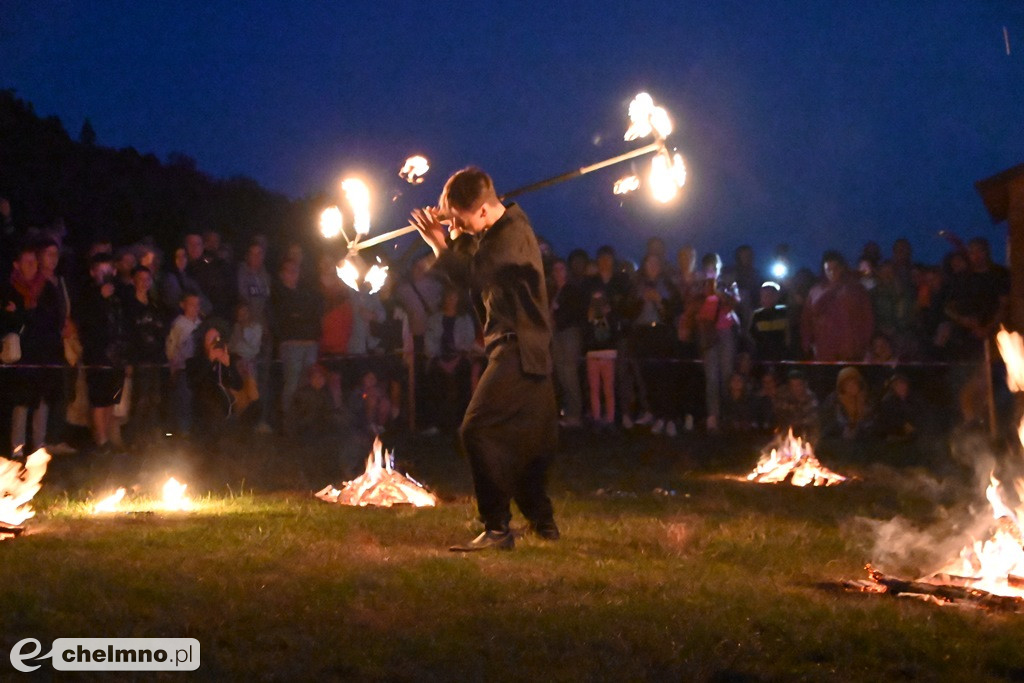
822,124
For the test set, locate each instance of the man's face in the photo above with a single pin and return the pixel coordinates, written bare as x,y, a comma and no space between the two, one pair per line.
290,275
769,297
977,256
605,263
28,265
254,257
211,241
49,258
560,273
194,247
833,269
190,307
472,220
102,272
143,281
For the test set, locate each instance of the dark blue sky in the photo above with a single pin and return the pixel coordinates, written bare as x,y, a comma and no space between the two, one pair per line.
821,124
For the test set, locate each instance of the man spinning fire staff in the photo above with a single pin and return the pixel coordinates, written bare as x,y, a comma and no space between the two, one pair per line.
510,426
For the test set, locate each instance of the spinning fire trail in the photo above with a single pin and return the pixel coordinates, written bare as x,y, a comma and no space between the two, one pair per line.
667,175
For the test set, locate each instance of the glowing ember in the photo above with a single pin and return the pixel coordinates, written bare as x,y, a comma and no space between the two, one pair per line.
358,196
645,118
793,458
414,169
331,222
174,496
18,484
376,276
111,503
667,176
626,185
348,273
379,485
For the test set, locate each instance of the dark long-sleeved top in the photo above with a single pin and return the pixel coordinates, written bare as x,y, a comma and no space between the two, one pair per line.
295,313
503,266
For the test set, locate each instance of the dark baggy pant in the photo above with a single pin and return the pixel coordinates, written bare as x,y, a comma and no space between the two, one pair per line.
509,434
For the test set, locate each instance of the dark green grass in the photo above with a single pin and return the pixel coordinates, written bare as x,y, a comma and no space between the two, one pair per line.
719,580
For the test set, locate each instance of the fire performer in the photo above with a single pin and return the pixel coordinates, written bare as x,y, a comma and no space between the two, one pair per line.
510,426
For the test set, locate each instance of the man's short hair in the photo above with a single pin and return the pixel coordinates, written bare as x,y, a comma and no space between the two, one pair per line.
464,189
102,257
186,295
833,255
141,269
606,250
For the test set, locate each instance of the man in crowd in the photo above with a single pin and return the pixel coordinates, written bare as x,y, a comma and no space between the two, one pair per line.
837,318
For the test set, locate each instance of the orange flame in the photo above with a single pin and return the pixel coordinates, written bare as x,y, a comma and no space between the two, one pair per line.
794,459
111,503
18,484
626,184
414,169
358,195
331,222
380,485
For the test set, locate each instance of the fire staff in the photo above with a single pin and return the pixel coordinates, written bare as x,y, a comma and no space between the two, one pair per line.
510,426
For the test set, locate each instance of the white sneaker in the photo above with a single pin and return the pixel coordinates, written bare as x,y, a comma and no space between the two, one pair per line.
626,422
645,419
659,426
688,423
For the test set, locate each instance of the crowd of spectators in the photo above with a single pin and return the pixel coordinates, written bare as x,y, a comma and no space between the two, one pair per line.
115,340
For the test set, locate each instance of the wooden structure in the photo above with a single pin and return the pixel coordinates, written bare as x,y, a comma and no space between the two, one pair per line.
1003,195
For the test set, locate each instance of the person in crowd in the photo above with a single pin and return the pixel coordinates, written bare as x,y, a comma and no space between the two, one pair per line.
50,256
254,291
313,414
146,325
578,263
568,315
978,301
246,344
881,350
370,404
900,413
616,287
367,313
214,379
903,262
601,343
654,340
102,331
335,332
837,318
848,412
739,408
691,379
764,401
124,265
452,351
744,275
31,308
295,315
893,309
717,334
176,282
215,276
10,238
180,346
796,407
769,326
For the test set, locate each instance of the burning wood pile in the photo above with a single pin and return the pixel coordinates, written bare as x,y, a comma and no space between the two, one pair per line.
380,485
18,484
790,457
986,573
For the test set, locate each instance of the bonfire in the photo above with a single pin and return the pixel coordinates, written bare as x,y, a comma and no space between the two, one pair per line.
790,457
380,485
173,499
18,484
987,572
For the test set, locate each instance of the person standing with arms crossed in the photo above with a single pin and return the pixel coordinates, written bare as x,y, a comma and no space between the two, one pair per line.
510,427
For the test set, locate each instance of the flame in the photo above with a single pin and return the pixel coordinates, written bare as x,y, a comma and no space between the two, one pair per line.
111,503
18,484
414,169
358,196
348,273
793,458
331,222
174,496
626,184
645,118
996,564
379,485
668,174
376,276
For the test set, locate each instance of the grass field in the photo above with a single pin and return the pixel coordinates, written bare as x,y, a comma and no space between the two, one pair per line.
713,580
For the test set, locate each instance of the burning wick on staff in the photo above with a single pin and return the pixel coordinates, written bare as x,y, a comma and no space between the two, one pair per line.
414,170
